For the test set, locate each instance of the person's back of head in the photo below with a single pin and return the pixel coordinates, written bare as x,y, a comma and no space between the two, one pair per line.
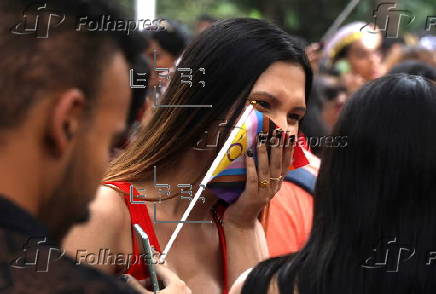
417,68
172,39
374,226
65,94
417,53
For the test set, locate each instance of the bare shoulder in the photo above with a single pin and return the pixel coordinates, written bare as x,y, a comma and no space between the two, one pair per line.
239,283
109,203
108,209
237,286
108,227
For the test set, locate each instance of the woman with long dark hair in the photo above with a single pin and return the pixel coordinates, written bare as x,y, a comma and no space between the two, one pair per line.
234,63
374,226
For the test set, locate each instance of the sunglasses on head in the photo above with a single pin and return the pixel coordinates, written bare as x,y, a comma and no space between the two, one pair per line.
332,92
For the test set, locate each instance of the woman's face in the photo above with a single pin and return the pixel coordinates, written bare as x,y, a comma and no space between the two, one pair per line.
163,60
279,93
365,59
334,97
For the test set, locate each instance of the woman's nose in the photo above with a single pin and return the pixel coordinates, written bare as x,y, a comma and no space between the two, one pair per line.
280,122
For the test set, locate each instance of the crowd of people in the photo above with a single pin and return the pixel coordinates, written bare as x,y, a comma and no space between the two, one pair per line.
86,157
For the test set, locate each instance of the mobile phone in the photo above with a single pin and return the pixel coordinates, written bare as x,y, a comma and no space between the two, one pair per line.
146,248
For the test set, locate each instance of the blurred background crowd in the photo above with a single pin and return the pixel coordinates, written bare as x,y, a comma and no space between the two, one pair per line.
348,43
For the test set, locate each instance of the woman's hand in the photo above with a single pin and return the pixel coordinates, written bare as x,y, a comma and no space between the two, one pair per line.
245,237
314,52
173,284
263,183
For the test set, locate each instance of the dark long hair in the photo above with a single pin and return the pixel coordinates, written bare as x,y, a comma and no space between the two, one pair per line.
234,53
376,194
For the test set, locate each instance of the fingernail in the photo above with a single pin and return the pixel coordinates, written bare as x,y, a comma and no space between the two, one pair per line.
279,134
250,153
123,278
262,137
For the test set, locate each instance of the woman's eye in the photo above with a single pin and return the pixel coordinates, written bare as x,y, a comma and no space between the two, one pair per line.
262,104
294,117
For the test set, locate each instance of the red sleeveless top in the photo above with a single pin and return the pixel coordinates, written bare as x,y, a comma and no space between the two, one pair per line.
139,215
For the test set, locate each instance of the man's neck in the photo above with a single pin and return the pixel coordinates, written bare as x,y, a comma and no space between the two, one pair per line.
19,179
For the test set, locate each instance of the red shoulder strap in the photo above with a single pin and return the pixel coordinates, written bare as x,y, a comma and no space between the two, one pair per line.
138,215
218,213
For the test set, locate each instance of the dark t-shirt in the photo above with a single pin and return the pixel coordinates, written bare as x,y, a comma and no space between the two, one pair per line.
31,263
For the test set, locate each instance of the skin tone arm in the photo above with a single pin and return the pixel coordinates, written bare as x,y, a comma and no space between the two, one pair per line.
237,286
240,221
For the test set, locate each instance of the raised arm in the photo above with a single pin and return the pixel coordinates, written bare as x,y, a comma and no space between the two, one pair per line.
245,236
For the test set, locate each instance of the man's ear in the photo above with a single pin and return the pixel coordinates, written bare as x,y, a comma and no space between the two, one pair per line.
66,117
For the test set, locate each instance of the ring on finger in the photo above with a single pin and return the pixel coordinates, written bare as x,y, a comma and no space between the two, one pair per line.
264,183
277,179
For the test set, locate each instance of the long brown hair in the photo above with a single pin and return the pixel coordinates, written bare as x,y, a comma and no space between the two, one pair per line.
233,53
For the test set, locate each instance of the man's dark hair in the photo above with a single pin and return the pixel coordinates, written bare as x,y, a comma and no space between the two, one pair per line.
173,39
34,66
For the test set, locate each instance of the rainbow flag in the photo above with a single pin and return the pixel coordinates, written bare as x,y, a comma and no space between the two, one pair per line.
229,177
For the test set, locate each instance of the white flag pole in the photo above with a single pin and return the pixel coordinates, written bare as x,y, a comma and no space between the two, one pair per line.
145,10
206,179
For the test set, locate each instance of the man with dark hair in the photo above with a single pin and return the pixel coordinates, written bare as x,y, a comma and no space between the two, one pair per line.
65,98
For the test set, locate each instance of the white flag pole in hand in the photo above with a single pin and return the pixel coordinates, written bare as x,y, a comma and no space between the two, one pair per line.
206,179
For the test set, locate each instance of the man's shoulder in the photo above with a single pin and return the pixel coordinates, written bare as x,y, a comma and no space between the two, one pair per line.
87,279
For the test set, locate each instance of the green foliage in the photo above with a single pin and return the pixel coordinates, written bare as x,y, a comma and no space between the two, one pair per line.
188,11
307,18
420,9
129,6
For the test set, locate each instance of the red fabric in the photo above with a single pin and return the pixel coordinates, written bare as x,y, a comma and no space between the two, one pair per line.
218,219
299,158
139,215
